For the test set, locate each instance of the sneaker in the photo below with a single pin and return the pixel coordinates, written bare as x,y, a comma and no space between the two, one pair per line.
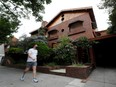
35,80
22,78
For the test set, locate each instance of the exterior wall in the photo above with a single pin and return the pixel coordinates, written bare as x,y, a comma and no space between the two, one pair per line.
85,30
87,27
67,16
103,33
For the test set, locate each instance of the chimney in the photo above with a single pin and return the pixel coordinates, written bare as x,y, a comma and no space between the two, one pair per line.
44,23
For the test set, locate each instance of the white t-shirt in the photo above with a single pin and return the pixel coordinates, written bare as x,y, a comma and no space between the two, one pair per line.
33,53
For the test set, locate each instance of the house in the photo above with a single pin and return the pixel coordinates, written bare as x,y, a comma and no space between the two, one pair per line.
78,22
72,22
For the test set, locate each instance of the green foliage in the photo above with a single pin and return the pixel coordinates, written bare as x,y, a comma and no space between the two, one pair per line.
40,38
7,27
111,6
64,52
78,64
108,3
15,50
64,40
84,42
12,10
22,8
42,30
51,64
111,30
43,50
24,42
112,17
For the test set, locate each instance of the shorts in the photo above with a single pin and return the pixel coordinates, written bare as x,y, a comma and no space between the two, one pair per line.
31,64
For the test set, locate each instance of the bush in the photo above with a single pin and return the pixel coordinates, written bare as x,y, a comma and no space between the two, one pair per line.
51,64
83,43
15,50
64,52
44,52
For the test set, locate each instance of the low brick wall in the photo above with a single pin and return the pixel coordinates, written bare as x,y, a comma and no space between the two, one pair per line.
78,72
71,71
43,69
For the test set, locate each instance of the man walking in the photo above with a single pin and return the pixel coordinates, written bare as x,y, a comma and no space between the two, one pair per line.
31,62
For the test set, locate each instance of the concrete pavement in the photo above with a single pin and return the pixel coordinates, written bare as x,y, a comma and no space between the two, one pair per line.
100,77
9,77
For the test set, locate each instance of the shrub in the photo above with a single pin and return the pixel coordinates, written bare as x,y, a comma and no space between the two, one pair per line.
15,50
84,44
44,51
64,52
51,64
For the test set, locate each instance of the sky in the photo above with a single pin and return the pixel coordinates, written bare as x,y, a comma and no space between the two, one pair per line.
52,9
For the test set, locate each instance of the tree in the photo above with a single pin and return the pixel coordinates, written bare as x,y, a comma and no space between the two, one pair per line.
24,41
111,6
42,31
12,10
7,27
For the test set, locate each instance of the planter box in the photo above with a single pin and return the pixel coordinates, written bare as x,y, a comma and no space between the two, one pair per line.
81,72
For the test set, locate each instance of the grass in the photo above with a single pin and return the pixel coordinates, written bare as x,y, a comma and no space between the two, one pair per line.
79,65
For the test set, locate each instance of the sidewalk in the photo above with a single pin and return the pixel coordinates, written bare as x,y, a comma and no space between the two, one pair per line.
9,77
100,77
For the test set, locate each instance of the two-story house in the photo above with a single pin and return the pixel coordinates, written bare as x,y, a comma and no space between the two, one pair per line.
81,22
73,23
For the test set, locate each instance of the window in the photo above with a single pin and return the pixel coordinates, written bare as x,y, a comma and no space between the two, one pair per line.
62,17
62,30
53,33
75,25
